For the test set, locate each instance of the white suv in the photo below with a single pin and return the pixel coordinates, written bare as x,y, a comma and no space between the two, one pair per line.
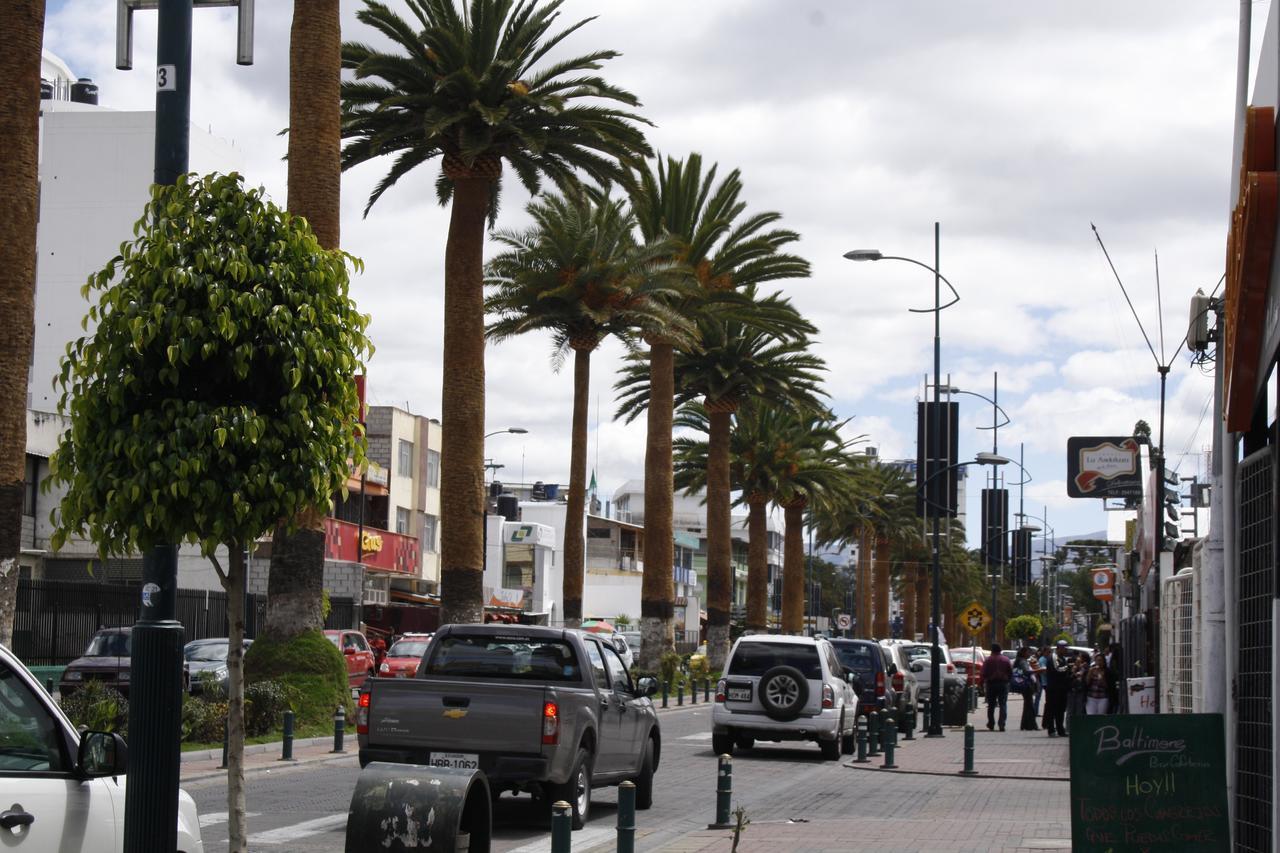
780,688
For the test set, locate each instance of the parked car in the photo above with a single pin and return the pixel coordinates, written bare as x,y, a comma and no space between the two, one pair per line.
869,662
106,660
780,688
624,650
906,687
549,711
919,655
360,660
968,662
63,789
633,642
209,655
404,656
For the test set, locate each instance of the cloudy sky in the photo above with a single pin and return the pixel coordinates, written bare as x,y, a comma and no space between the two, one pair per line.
1013,125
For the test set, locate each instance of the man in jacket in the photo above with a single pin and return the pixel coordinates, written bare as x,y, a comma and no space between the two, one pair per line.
996,673
1057,690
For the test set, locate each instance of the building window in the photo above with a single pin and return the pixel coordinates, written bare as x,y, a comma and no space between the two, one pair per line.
405,462
402,520
429,533
433,469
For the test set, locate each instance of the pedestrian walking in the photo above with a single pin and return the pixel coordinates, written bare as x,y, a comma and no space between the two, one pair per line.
996,674
1096,686
1115,672
1026,681
1042,698
1057,689
1076,697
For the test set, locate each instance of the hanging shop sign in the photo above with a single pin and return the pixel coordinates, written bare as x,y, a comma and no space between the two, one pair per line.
1103,467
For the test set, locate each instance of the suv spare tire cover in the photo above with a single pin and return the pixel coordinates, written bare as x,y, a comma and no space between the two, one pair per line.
783,692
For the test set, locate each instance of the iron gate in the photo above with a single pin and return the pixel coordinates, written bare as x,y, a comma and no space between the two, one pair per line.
1255,588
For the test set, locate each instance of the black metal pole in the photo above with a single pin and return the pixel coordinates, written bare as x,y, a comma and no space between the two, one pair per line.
155,712
935,671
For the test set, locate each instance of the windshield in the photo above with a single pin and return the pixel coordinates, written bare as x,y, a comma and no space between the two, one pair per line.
858,657
113,645
408,649
758,658
498,656
923,652
206,651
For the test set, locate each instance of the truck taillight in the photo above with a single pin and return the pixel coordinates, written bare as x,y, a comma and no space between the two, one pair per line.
828,696
899,682
720,688
951,667
879,684
550,723
362,714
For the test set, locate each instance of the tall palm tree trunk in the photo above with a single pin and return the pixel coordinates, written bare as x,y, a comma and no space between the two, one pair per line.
574,548
864,590
462,405
719,544
757,564
880,569
23,34
793,569
657,593
295,582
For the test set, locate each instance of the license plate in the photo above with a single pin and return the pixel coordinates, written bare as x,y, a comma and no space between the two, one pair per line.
739,694
457,760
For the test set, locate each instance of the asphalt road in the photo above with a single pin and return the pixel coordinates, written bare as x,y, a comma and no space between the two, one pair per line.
303,808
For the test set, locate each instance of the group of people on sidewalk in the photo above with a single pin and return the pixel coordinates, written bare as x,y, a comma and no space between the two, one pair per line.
1070,683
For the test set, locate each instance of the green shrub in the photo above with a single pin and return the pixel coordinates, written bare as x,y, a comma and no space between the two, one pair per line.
97,707
204,720
1063,635
1026,628
670,665
264,705
310,666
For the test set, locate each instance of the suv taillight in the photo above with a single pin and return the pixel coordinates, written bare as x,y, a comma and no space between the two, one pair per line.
879,684
720,691
550,723
899,682
362,714
951,667
386,667
828,696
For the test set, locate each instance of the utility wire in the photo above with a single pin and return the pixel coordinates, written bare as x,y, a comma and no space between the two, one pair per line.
1141,328
1159,304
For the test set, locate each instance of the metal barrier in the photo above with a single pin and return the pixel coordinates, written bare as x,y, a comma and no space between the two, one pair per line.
862,742
561,826
873,734
339,728
286,746
392,802
890,736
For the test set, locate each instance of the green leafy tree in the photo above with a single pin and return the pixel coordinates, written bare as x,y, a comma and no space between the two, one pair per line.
472,88
1026,628
216,395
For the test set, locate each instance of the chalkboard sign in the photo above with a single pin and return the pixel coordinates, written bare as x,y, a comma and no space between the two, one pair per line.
1148,782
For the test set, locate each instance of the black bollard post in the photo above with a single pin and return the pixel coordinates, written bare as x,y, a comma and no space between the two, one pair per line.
873,734
862,742
561,826
724,793
706,690
890,735
680,694
286,748
339,728
911,725
693,691
926,716
627,817
48,686
968,752
666,688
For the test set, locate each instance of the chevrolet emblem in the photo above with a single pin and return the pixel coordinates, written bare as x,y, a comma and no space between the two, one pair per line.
455,713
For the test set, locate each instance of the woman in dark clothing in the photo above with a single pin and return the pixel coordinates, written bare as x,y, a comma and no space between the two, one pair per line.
1023,664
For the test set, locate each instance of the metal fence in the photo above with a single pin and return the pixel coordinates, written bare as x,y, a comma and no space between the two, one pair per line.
1178,650
56,619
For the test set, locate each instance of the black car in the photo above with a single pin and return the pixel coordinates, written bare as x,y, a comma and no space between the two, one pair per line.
874,667
209,656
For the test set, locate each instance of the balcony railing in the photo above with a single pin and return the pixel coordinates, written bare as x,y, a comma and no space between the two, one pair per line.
383,550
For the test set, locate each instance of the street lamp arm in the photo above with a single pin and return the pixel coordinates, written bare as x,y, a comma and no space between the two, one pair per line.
955,296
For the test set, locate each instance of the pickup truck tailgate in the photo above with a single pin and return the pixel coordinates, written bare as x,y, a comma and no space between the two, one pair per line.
458,716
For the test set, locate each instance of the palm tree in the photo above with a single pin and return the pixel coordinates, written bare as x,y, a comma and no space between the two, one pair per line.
579,273
20,43
471,88
726,251
759,351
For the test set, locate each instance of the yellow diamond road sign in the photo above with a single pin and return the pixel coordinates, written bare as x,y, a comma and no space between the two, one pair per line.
975,617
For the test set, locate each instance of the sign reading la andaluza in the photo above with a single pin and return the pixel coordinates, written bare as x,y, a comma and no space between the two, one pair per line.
1103,467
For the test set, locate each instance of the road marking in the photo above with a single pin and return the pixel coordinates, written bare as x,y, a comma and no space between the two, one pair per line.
698,736
215,818
582,839
305,829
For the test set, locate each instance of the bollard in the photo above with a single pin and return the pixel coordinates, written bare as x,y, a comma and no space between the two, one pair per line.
911,726
926,717
890,736
724,793
627,817
339,728
48,686
693,691
873,734
680,694
561,826
968,752
862,742
706,690
390,800
226,735
287,745
666,688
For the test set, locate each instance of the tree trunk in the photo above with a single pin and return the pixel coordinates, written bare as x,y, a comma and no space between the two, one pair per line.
234,584
575,509
657,593
880,581
719,543
924,608
295,583
793,569
864,590
23,34
462,407
757,566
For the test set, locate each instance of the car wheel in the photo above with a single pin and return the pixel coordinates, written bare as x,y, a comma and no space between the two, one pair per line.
847,741
830,749
722,744
577,791
744,742
783,692
644,782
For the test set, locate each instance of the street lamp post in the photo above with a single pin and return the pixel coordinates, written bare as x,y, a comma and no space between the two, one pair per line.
484,539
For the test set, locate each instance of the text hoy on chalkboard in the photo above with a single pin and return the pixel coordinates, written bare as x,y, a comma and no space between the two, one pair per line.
1158,752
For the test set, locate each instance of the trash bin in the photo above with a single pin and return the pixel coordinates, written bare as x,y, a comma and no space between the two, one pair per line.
400,807
955,703
1141,695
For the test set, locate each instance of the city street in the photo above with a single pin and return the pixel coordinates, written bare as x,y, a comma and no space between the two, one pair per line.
788,792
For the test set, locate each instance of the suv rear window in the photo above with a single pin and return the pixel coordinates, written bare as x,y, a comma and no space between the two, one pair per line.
858,657
756,659
524,658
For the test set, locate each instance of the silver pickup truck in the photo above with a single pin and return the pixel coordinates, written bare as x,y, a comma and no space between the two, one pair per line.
547,711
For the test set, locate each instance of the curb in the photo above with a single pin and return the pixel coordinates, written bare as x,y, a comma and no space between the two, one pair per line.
953,774
254,748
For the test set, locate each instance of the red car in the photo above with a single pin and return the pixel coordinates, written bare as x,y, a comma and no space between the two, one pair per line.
354,646
969,662
404,656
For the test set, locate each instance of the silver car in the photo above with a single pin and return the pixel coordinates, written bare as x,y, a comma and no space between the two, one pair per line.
780,688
